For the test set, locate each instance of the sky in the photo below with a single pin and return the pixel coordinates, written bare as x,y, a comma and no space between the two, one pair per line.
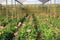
32,2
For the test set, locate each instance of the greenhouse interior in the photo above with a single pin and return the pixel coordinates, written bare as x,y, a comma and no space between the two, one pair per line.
29,19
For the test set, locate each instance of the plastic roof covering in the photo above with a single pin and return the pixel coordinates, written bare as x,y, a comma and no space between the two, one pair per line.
43,1
2,1
21,1
14,0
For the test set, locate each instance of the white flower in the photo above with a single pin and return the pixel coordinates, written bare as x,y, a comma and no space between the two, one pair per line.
19,24
15,33
1,27
28,30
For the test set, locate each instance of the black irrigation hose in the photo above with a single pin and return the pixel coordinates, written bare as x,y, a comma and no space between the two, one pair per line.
14,31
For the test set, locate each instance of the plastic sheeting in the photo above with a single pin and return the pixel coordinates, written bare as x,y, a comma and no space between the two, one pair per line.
2,1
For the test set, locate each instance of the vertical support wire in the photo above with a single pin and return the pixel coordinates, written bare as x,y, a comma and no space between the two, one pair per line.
55,7
42,7
19,11
7,9
1,10
16,10
50,9
46,8
12,8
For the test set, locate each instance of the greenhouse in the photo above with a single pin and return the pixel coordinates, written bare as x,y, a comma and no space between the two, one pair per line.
29,19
